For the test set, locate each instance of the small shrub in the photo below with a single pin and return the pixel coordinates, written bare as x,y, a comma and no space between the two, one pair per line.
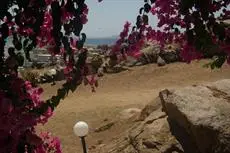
30,76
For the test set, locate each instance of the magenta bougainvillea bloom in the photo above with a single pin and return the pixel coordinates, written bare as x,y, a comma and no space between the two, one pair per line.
84,19
190,24
44,23
195,25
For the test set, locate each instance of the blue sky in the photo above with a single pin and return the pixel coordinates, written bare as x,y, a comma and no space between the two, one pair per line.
108,17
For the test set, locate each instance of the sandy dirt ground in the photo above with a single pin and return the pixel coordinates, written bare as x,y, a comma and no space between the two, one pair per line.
133,88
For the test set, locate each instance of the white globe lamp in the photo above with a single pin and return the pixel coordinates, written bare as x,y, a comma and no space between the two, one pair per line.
81,129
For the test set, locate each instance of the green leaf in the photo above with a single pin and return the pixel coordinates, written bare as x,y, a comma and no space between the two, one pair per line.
55,101
145,19
61,93
147,7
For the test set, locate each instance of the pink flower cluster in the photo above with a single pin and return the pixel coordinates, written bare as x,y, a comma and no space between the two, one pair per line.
173,13
175,18
17,119
45,36
125,31
83,16
188,53
50,144
123,35
134,49
92,81
133,41
21,108
66,16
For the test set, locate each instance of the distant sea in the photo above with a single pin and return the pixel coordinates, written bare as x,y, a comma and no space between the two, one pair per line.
100,41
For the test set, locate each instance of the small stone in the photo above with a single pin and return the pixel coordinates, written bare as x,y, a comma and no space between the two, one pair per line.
92,147
101,145
138,64
160,61
100,72
104,127
99,142
130,113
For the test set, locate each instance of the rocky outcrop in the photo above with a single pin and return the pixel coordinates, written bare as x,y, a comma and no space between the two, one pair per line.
150,54
130,61
193,119
150,136
170,56
149,108
170,53
153,52
202,113
94,62
130,113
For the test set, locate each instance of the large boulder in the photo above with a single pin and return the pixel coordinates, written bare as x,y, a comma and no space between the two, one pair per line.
152,135
193,119
200,116
149,108
151,53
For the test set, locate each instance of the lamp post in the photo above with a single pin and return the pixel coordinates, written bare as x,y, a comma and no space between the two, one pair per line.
81,129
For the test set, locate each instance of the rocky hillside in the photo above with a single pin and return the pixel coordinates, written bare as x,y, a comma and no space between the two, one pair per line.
194,119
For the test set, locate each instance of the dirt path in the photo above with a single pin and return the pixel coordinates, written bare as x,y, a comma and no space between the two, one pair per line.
133,88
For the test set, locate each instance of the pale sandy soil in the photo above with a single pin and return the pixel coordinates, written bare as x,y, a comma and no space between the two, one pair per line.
133,88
